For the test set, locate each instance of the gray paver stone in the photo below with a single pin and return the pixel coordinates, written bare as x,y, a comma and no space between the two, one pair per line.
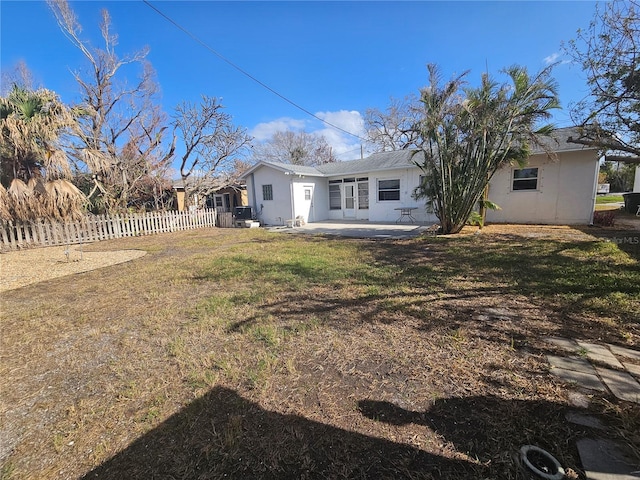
600,353
564,343
624,352
584,420
632,369
605,460
577,364
586,380
621,384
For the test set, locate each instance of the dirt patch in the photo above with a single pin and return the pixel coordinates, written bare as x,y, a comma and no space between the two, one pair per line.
24,267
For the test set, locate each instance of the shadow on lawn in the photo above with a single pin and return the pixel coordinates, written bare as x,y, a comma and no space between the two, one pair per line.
223,435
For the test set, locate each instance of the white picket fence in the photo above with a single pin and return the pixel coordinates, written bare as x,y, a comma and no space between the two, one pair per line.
91,228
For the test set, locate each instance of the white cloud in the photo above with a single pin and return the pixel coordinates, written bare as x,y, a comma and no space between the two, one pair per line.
554,58
345,147
551,58
264,131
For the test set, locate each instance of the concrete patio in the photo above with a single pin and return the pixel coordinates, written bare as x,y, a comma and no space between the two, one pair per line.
358,229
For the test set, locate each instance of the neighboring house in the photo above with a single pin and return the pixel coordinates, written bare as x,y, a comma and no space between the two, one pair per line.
227,198
224,197
558,190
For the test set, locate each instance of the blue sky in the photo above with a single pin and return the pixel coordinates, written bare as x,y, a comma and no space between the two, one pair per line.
335,59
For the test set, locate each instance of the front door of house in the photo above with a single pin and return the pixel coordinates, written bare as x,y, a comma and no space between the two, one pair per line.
349,210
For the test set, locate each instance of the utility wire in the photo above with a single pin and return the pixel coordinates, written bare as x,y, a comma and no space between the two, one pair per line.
247,74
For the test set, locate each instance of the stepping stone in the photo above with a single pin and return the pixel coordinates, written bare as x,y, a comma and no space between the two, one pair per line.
564,343
584,420
575,364
585,380
624,352
600,353
621,384
605,460
632,369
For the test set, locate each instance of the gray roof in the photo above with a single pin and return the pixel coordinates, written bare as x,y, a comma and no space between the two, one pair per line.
375,162
381,161
558,142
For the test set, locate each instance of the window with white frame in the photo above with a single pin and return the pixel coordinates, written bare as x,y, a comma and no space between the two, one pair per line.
363,193
335,200
525,179
388,190
267,192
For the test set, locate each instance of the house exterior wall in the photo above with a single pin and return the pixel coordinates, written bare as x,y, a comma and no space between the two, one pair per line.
563,194
636,181
386,210
313,207
277,210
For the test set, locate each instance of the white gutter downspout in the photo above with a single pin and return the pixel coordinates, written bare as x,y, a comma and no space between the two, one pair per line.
595,192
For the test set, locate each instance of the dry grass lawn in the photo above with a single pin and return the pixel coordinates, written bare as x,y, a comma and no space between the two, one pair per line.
242,353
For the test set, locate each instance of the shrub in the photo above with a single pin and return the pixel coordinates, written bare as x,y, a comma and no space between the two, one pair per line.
604,218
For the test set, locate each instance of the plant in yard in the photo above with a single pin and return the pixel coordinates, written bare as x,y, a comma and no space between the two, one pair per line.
466,134
35,171
604,218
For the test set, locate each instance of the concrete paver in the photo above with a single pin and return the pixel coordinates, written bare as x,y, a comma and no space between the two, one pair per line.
621,384
604,460
586,380
632,369
601,354
564,343
624,352
576,364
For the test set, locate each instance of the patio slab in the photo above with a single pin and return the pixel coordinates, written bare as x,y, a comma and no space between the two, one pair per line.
359,229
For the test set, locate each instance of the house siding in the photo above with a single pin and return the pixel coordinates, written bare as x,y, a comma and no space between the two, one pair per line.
561,196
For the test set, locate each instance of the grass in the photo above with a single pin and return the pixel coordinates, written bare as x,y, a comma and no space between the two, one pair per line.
609,199
248,354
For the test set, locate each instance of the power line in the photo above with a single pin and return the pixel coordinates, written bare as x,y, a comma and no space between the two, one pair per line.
247,74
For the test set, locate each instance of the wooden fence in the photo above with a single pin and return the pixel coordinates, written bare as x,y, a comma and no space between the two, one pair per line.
91,228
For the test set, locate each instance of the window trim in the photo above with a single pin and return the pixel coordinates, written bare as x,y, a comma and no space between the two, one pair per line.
338,189
267,191
378,191
522,181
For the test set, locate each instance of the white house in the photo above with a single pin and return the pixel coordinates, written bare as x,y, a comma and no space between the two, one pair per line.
379,188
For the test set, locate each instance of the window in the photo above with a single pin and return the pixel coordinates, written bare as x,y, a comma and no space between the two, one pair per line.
363,195
525,179
267,192
388,190
307,194
335,201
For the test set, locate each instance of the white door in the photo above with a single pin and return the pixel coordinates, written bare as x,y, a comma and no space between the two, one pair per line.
308,203
349,210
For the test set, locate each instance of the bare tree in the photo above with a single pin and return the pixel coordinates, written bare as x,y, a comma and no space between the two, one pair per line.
395,128
115,115
609,53
297,148
19,76
211,144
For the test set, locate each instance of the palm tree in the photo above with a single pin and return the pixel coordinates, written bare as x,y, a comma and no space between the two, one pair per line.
34,170
469,133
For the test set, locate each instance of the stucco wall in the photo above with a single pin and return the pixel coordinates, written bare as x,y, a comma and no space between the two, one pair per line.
278,210
565,193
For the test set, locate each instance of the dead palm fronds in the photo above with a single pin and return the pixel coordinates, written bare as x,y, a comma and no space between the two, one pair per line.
5,213
63,200
33,164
